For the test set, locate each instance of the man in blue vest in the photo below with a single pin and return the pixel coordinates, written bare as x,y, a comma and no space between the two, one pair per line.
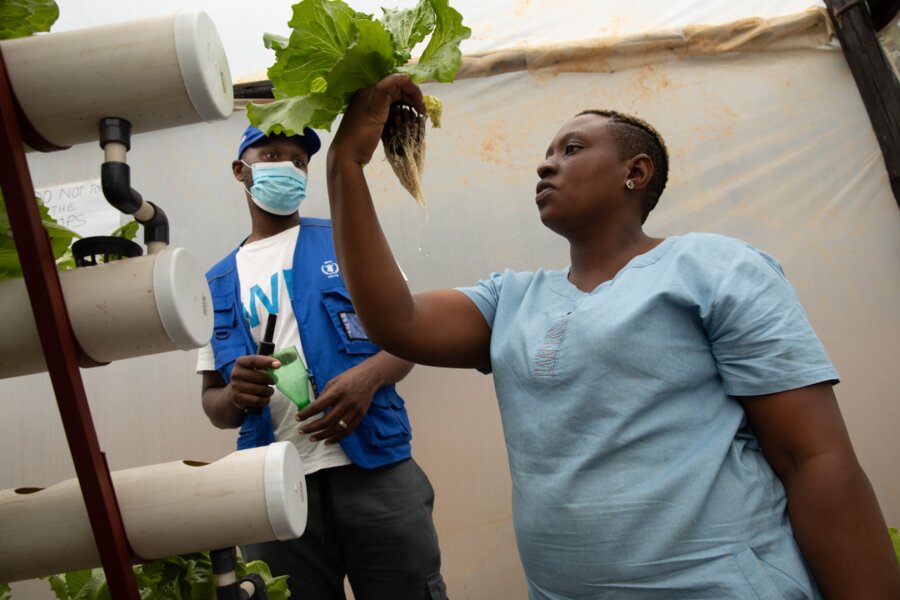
370,504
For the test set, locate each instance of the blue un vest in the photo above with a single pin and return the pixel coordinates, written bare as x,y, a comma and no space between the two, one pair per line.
331,339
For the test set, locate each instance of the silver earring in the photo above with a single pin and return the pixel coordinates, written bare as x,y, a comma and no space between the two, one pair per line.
629,184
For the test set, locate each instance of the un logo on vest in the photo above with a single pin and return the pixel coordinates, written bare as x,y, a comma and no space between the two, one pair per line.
330,268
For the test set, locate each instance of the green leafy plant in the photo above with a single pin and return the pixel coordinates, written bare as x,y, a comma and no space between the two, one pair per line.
60,241
333,51
21,18
186,577
895,539
128,230
5,592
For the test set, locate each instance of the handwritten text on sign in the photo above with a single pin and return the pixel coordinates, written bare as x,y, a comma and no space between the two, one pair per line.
81,207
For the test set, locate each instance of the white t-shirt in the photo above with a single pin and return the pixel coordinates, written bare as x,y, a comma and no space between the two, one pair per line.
262,266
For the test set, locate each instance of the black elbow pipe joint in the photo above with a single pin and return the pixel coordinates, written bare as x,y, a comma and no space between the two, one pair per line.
259,586
156,229
116,182
115,178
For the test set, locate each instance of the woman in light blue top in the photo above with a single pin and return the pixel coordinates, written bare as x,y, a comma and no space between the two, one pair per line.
668,410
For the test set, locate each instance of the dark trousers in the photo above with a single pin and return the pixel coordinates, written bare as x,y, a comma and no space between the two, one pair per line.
374,526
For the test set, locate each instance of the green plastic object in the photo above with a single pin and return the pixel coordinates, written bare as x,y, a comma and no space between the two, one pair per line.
291,378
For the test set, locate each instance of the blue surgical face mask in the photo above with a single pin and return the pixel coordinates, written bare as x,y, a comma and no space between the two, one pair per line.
278,187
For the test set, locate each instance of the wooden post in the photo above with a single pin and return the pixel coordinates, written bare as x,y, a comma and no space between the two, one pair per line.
874,77
55,332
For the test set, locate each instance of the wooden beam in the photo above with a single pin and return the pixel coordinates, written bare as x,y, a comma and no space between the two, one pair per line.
57,341
874,77
883,12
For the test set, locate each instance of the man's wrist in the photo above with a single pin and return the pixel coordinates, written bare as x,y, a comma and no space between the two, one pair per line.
230,400
374,374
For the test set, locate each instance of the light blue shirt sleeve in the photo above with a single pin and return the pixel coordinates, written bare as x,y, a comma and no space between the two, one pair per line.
486,296
760,335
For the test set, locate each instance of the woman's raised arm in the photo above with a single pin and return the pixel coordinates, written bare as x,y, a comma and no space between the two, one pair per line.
443,327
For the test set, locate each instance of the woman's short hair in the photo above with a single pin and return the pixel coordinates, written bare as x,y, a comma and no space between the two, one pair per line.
635,136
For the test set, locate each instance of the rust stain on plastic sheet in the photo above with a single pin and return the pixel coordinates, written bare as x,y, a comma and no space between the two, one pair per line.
495,147
614,25
522,7
650,81
809,29
719,122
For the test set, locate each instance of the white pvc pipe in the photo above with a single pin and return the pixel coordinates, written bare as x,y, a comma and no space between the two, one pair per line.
156,73
156,247
114,152
249,496
122,309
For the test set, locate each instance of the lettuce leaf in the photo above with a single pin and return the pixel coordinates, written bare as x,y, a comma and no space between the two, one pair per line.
895,539
89,584
185,577
21,18
334,51
128,230
323,31
442,56
408,27
60,241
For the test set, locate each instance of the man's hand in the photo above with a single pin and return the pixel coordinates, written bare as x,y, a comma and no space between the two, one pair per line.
348,396
250,386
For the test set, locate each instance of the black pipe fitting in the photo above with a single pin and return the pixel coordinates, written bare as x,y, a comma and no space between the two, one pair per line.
223,561
260,592
115,129
115,178
157,228
231,591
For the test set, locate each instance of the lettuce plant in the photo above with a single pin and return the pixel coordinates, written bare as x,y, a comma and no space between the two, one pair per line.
895,539
60,241
186,577
333,51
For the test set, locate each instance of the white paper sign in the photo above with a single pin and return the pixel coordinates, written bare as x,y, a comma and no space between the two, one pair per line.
81,207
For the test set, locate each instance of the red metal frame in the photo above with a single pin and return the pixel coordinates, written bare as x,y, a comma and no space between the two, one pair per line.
54,329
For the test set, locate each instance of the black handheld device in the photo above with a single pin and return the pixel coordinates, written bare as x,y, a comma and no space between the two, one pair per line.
266,348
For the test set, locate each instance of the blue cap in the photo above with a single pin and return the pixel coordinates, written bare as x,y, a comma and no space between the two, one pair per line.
310,139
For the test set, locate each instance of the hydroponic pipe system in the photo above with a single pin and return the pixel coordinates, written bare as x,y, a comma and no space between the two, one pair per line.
54,90
63,86
168,509
115,177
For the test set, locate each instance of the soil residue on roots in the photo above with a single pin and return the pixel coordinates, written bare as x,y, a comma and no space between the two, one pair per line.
404,147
